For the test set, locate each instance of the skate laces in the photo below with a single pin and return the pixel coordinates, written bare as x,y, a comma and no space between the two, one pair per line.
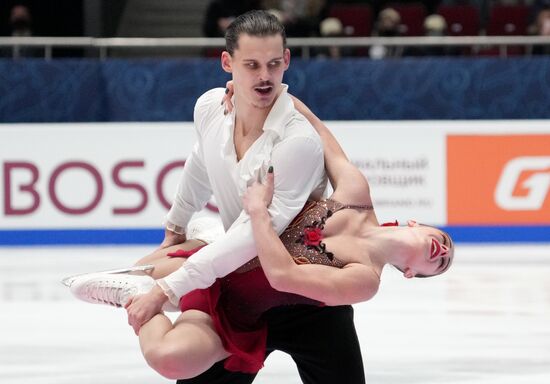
109,291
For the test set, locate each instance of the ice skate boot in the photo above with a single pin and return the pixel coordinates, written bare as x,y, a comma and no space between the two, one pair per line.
108,288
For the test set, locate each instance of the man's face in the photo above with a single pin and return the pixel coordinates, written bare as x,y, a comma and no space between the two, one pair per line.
257,66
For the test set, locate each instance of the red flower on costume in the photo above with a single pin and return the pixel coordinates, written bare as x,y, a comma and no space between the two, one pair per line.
312,236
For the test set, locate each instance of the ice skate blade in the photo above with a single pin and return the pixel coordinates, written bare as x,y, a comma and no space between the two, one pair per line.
67,281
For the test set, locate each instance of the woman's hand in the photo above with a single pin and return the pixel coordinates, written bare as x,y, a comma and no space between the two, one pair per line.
258,196
226,101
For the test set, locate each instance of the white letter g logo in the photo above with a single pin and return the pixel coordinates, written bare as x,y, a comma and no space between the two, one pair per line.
538,184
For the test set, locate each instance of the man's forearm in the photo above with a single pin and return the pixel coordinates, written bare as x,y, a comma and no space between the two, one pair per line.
237,246
192,193
216,260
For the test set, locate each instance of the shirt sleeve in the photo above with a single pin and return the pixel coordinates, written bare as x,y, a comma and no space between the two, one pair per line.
194,189
299,169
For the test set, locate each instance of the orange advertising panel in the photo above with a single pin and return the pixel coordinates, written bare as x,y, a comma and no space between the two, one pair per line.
498,179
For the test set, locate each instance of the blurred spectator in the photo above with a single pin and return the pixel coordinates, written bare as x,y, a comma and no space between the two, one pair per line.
220,13
542,25
331,27
387,25
20,25
20,21
434,26
300,17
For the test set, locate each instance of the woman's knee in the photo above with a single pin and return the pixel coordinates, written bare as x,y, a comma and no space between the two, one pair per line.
171,362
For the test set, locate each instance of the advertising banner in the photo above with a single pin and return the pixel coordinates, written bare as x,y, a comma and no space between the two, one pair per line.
498,180
114,182
90,175
404,164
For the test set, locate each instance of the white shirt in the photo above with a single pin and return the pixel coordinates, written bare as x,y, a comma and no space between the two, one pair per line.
289,143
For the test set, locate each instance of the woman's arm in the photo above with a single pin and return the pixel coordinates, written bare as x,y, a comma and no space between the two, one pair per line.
343,175
333,286
346,178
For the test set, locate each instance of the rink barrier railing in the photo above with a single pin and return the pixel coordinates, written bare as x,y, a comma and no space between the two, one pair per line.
103,46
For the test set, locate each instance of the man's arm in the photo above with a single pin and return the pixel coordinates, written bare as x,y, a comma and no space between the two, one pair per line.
194,188
299,168
192,195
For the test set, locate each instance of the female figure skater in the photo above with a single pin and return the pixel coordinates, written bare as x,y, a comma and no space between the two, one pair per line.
332,253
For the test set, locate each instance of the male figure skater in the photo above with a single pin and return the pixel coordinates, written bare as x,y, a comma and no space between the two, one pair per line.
234,150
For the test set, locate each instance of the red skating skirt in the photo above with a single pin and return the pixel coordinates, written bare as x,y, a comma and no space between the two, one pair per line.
236,304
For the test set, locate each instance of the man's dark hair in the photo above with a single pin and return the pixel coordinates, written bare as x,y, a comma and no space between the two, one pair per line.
253,23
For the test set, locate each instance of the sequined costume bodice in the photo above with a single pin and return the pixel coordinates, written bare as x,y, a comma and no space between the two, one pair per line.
303,237
237,302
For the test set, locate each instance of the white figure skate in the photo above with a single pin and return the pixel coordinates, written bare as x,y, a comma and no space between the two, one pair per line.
108,288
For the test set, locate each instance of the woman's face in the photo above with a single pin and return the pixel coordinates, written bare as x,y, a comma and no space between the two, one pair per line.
432,251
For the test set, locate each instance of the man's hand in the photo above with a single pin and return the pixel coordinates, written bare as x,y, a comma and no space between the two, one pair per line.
258,196
142,308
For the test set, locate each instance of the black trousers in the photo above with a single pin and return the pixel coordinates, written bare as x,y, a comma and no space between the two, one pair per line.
322,341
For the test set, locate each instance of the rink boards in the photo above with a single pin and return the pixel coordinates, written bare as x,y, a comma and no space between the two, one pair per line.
112,183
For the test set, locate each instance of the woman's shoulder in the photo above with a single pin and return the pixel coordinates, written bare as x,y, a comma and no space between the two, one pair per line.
358,197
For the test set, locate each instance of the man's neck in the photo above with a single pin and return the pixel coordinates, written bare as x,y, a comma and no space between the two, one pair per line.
249,123
249,118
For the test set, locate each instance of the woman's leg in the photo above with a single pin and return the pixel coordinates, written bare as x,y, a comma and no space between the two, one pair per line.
164,264
207,229
184,349
115,288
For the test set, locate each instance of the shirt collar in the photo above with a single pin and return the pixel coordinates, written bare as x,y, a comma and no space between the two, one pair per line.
275,122
280,113
257,162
